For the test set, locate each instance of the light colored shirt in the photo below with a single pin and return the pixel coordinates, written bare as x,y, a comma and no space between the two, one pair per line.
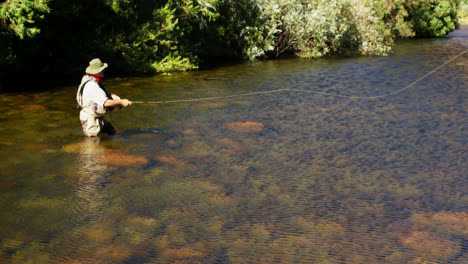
92,92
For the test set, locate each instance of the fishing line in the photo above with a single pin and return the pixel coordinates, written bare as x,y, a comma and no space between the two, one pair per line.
305,91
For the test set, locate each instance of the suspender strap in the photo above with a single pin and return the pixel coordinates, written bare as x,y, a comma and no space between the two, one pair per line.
81,92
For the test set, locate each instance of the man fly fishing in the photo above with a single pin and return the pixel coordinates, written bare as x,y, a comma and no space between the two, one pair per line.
95,101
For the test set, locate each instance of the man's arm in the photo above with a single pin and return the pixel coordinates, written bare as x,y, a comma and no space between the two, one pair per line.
117,102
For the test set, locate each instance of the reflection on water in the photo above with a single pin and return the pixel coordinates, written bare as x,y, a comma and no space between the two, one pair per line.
90,179
286,177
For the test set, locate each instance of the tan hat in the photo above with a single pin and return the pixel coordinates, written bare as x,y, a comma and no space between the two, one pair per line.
96,66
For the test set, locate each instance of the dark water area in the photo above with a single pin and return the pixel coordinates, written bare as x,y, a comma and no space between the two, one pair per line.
291,176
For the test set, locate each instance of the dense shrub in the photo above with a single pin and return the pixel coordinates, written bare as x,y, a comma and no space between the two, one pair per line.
44,36
315,28
20,16
463,10
159,35
242,28
394,16
18,20
432,18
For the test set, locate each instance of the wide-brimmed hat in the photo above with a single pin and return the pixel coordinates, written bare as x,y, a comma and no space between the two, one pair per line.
96,66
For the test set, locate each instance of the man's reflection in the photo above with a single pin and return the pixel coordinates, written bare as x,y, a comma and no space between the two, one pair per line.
92,179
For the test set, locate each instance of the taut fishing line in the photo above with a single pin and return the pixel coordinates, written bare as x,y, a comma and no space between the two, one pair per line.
304,91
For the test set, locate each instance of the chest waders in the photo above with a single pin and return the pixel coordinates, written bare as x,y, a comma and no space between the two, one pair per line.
91,114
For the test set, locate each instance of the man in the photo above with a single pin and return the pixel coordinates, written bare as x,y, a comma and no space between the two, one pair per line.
95,101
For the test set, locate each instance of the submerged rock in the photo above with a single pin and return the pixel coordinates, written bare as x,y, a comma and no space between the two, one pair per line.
244,127
137,230
33,107
5,184
447,222
190,132
113,253
142,223
73,147
122,159
430,245
182,253
229,146
42,203
220,199
171,160
456,222
198,149
12,244
100,234
34,252
35,147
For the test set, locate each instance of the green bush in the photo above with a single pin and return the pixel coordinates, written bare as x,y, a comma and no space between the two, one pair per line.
240,29
20,16
18,20
394,16
315,28
176,35
432,18
148,40
173,63
463,12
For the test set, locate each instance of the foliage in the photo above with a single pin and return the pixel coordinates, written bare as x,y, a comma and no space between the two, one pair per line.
241,28
432,18
463,11
178,35
172,63
313,29
394,15
20,16
147,38
18,19
151,41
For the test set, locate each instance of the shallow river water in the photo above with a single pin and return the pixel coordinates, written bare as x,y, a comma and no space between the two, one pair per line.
291,176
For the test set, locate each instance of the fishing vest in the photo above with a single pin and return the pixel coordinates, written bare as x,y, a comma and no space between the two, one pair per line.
87,105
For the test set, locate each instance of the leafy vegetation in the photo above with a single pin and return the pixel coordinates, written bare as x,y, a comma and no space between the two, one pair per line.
433,18
46,36
20,16
463,12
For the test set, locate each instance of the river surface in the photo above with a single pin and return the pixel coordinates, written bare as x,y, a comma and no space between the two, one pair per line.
313,172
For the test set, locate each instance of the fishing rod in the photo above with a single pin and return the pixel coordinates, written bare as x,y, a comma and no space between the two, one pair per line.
305,91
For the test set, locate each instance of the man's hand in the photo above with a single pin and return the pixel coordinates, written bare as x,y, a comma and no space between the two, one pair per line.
125,102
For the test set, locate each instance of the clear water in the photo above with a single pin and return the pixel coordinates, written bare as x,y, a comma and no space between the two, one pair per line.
285,177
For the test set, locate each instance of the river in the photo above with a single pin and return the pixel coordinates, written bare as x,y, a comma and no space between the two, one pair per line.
334,160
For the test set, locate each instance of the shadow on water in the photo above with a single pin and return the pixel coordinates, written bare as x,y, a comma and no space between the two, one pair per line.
295,176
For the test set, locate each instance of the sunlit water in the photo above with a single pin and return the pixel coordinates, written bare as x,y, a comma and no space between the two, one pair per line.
284,177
